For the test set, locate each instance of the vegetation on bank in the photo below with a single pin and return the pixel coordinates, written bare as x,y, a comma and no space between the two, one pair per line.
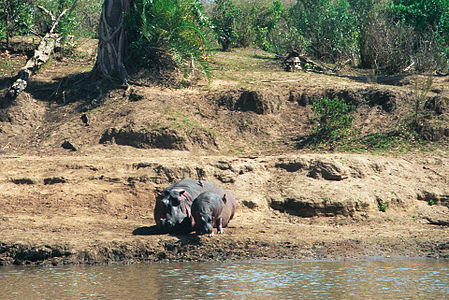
388,36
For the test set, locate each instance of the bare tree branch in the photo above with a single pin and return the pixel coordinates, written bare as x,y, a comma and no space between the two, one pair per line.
52,16
41,54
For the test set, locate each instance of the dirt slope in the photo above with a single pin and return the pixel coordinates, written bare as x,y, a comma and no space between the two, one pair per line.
94,203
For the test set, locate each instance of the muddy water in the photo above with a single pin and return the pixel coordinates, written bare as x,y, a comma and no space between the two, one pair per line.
237,280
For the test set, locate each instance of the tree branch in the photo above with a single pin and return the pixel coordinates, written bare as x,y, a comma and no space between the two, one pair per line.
52,16
62,14
41,54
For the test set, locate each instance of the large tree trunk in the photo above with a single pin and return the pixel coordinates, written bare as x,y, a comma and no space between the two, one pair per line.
112,41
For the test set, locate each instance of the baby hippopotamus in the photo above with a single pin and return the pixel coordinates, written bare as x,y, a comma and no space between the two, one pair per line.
211,210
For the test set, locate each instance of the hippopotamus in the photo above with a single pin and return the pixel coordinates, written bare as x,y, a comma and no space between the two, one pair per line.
211,210
172,212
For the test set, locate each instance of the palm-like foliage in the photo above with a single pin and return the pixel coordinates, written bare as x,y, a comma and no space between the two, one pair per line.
157,28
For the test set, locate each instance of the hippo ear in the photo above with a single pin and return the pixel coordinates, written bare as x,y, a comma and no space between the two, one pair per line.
181,196
224,198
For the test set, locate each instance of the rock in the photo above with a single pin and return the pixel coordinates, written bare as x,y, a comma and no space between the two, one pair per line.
54,180
329,170
292,165
164,138
84,119
226,176
69,146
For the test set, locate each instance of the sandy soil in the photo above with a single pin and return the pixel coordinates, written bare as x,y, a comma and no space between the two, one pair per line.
95,204
98,208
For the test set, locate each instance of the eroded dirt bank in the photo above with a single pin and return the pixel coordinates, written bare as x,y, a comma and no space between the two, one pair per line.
80,165
98,208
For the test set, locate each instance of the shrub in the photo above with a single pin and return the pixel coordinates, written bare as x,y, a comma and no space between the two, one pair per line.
334,119
331,27
161,28
16,18
223,18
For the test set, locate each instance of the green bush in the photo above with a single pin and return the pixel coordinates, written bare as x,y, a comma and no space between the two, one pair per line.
224,15
334,119
266,25
158,29
330,26
420,14
430,20
88,15
16,18
256,23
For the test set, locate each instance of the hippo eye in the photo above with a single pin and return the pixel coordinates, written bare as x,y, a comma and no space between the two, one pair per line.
206,218
175,201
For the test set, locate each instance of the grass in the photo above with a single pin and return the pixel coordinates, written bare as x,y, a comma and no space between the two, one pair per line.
10,65
180,121
247,67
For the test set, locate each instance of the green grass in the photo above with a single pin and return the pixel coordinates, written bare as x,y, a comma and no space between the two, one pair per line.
9,67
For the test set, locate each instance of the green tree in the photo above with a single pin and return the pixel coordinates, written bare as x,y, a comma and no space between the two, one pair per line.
42,20
223,18
420,14
17,17
329,26
266,23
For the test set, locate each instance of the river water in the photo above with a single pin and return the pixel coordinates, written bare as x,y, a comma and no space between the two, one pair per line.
371,279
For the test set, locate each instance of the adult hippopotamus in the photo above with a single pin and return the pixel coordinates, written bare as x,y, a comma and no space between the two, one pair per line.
172,212
211,210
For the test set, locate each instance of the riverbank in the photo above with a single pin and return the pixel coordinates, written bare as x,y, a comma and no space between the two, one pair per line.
97,209
80,164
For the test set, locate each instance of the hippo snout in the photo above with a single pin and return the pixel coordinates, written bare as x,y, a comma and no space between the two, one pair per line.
205,228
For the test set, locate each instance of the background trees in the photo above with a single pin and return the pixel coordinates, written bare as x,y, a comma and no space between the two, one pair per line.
387,35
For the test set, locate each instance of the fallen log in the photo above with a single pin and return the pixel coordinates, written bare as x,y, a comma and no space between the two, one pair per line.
41,54
296,61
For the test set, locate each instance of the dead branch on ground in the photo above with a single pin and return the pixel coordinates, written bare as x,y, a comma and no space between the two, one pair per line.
41,54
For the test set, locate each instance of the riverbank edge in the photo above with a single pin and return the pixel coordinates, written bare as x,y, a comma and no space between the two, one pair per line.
191,248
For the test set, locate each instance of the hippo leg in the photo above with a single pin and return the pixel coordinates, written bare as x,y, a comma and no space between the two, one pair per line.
220,225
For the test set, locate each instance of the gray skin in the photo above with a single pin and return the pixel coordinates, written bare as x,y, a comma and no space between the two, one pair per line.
172,212
211,210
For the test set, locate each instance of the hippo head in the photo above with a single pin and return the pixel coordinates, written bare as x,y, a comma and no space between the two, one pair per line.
204,223
207,212
172,211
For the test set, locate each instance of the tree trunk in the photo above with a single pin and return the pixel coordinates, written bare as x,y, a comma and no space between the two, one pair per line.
7,22
112,41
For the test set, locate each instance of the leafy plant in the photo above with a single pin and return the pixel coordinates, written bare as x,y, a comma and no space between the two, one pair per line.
331,27
266,24
223,18
161,29
16,18
381,205
334,119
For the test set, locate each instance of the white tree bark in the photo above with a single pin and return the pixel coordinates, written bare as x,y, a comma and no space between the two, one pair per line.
41,54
